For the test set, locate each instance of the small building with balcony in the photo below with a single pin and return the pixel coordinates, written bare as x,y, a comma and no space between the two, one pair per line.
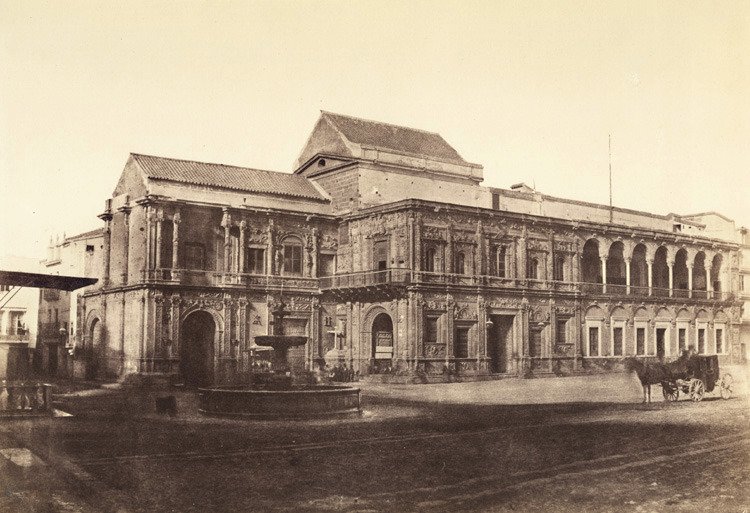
387,253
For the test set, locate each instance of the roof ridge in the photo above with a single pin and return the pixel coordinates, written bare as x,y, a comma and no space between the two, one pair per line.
211,164
325,112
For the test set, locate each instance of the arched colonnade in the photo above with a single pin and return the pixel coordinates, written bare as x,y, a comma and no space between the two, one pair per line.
649,268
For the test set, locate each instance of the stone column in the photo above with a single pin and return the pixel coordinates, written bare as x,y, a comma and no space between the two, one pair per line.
314,253
242,335
690,279
176,220
417,247
149,241
226,223
522,256
126,244
243,233
270,250
550,271
671,278
315,334
650,265
709,282
479,260
448,264
159,241
604,274
107,248
627,275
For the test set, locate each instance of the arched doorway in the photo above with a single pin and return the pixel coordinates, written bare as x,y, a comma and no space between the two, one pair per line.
197,359
382,343
95,355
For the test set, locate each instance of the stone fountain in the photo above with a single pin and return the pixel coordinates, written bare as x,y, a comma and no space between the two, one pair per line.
276,394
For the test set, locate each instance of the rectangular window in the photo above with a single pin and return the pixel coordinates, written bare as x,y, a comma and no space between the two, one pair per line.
640,341
719,341
535,344
194,256
343,234
431,330
460,263
681,334
327,265
617,339
293,260
561,338
500,262
16,326
256,261
593,341
559,269
701,341
462,343
495,201
531,268
381,255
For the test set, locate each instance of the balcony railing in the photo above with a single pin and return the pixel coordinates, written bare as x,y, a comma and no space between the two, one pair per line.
366,279
404,276
21,398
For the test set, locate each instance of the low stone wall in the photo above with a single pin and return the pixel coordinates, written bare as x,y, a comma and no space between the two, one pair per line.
297,402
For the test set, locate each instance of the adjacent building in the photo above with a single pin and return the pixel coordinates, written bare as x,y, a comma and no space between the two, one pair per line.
384,249
19,308
58,332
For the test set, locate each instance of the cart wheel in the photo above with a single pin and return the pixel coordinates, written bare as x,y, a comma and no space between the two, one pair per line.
727,382
671,393
697,389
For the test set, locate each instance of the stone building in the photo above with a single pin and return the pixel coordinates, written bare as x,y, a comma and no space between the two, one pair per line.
384,249
19,307
58,331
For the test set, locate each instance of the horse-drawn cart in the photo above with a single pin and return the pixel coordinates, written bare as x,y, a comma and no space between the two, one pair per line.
701,376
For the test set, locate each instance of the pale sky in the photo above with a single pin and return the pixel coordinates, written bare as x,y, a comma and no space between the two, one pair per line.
529,89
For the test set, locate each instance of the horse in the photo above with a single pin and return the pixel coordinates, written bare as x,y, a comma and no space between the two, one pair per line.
652,373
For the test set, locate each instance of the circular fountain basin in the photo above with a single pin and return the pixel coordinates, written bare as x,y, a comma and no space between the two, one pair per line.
297,401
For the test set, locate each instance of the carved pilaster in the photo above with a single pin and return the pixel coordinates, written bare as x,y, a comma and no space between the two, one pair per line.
159,241
243,237
449,264
176,219
126,242
226,223
314,251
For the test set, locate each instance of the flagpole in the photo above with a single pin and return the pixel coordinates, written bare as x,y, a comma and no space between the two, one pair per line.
611,209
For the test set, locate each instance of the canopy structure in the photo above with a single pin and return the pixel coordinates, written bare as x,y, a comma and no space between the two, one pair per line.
44,281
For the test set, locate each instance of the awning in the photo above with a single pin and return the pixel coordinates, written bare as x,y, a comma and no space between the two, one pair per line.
44,281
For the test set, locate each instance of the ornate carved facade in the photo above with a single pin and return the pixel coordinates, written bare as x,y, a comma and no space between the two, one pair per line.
397,262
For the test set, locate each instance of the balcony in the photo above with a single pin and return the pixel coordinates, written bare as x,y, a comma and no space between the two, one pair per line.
386,278
198,278
365,279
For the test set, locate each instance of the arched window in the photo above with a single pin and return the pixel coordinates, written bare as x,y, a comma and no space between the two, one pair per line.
500,262
292,258
429,260
460,263
533,266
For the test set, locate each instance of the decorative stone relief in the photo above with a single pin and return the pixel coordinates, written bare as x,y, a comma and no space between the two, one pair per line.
433,233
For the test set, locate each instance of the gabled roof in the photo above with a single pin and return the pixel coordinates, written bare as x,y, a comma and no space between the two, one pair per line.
392,137
226,177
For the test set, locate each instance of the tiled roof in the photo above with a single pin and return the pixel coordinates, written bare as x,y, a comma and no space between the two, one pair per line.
227,177
397,138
